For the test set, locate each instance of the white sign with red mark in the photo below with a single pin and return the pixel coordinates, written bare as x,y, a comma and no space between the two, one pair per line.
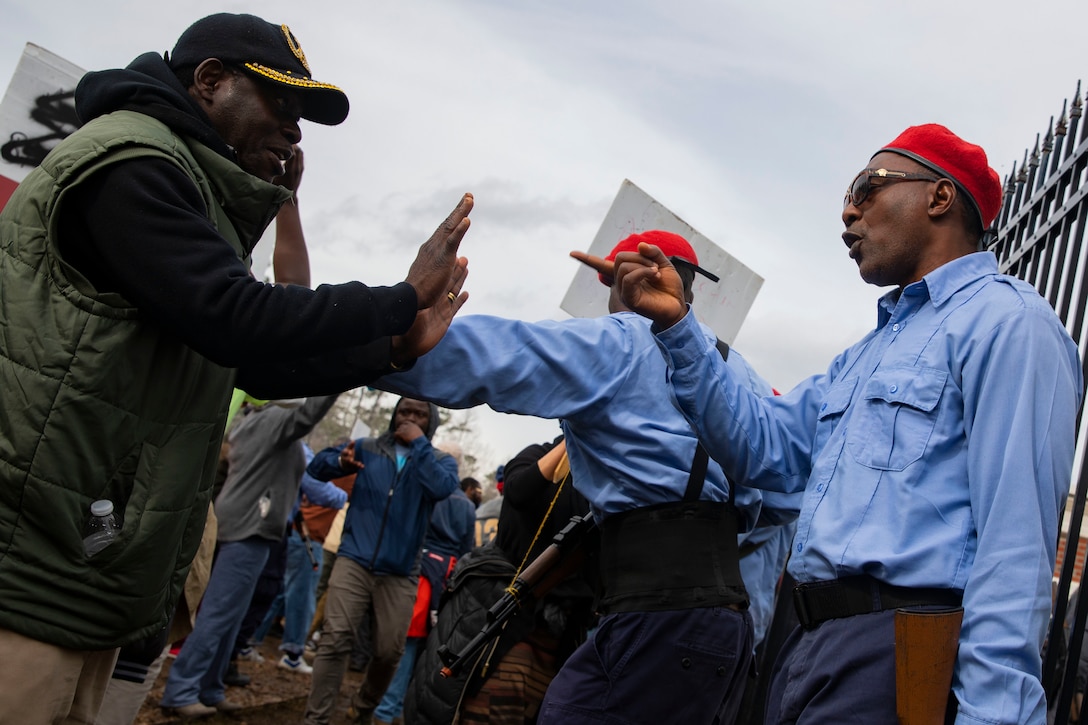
36,113
721,306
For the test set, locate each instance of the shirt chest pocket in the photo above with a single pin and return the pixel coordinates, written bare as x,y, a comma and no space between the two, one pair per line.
897,411
831,411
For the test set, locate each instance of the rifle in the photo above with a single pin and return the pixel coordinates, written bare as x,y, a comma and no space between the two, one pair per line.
563,556
926,642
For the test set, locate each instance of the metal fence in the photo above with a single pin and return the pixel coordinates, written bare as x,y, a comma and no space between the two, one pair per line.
1041,239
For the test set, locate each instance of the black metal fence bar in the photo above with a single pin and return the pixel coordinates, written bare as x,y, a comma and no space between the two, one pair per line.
1041,239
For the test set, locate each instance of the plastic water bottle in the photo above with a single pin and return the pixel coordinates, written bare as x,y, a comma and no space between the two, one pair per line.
101,529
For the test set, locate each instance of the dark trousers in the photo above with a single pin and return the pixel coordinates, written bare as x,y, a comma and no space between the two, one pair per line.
841,672
269,585
677,666
782,625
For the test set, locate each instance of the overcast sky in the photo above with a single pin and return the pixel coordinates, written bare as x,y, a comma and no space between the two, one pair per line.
746,119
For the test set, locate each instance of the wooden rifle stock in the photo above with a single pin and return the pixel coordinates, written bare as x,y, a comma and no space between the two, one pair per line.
926,641
561,559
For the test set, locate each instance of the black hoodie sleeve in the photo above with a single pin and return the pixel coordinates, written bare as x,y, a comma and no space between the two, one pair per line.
318,375
139,228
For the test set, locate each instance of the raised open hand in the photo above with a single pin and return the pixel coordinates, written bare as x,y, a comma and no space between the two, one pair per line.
431,274
432,322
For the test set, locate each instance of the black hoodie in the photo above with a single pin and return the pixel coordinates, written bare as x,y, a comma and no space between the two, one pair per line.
147,86
140,228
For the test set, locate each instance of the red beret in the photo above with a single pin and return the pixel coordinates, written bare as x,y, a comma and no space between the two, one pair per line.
671,245
937,148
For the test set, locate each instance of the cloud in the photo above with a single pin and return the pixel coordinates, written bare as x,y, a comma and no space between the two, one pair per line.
746,119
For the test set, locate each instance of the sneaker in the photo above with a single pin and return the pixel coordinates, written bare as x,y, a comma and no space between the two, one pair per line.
250,654
294,664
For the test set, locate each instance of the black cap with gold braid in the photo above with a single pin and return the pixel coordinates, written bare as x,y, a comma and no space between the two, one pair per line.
268,51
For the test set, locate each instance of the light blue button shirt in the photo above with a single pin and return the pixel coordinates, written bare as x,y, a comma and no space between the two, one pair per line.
319,493
936,452
604,379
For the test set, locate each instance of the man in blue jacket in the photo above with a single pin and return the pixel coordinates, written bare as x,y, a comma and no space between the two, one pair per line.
451,535
400,479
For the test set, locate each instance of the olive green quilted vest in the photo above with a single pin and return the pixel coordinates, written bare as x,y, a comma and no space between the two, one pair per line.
97,402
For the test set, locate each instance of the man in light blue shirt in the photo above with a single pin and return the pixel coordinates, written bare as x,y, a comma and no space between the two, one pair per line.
675,637
934,454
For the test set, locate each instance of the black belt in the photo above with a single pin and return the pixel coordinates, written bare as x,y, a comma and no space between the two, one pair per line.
818,602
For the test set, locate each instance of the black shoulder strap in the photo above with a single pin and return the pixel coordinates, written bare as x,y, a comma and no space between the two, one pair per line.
697,475
723,348
699,462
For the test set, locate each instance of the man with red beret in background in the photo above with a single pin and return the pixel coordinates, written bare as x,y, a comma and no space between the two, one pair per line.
675,640
934,454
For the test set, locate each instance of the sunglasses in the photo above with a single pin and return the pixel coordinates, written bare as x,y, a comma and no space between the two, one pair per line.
861,185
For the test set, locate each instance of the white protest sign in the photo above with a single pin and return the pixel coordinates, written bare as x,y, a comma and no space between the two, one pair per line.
721,306
36,113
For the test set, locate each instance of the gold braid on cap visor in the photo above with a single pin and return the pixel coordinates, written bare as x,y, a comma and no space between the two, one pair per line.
295,47
287,78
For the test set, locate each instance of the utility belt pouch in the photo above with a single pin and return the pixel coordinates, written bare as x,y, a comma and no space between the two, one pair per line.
671,556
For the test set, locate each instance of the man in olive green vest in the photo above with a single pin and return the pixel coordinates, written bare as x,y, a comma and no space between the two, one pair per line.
128,313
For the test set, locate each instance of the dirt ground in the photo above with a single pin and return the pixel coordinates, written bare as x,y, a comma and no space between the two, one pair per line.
273,697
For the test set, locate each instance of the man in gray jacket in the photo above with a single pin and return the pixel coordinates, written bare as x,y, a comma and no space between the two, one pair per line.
266,465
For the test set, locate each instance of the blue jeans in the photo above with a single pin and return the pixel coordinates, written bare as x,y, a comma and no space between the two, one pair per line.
392,703
296,602
197,673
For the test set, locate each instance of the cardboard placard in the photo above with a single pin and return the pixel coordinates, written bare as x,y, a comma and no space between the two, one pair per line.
36,113
722,306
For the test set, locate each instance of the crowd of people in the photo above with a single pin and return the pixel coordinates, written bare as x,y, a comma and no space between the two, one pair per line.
143,364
